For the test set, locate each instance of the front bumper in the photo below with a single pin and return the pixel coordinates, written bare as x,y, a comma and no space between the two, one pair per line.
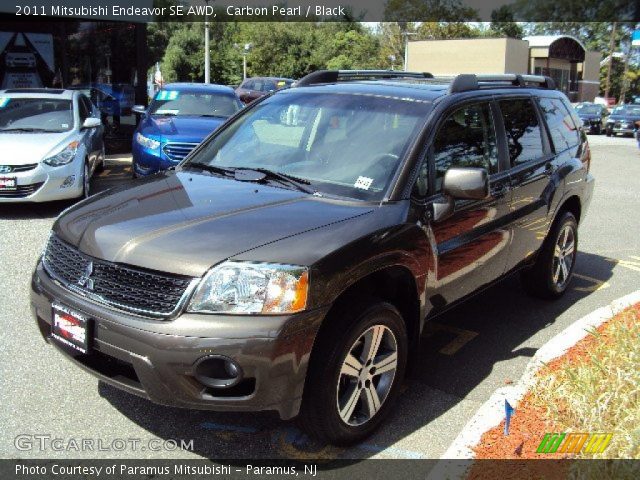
44,184
625,129
155,359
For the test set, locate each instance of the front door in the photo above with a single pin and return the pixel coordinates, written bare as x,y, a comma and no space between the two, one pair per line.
472,244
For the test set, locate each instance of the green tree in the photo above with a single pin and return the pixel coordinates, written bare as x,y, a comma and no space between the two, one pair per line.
184,57
503,24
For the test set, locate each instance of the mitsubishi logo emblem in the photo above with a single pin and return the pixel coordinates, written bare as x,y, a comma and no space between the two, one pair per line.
85,280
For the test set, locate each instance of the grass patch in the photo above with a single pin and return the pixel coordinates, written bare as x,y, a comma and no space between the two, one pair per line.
596,386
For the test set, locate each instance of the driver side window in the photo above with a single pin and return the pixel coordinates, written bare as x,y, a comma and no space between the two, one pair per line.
467,138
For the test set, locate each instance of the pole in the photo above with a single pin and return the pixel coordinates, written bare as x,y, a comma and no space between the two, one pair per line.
406,50
244,66
207,53
607,85
624,83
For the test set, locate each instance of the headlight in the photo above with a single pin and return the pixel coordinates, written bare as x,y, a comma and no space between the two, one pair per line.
64,157
243,287
147,142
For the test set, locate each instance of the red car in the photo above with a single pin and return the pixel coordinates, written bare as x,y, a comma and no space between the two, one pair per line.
256,87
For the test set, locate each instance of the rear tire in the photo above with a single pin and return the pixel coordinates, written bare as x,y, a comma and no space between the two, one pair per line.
608,133
351,388
553,270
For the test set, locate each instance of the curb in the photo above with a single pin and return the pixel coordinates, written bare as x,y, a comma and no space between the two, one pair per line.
491,413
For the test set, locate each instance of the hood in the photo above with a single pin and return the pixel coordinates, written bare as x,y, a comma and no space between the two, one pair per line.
185,222
25,148
179,128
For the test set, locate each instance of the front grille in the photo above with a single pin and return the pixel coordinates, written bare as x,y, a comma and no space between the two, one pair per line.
178,151
17,168
124,287
21,191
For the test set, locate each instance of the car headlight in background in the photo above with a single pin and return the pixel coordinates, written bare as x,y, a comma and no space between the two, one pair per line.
147,142
244,287
64,157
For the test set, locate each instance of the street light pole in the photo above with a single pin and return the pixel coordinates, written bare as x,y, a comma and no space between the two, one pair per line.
207,53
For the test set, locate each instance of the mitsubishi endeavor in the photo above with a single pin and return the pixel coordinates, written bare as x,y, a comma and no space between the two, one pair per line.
290,262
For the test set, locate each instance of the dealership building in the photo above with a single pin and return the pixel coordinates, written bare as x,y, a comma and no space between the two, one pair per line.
575,69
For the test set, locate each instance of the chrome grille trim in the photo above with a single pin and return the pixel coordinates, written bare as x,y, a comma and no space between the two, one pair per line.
124,288
17,168
178,151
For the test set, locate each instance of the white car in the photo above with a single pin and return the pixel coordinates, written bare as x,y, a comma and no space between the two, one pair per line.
50,145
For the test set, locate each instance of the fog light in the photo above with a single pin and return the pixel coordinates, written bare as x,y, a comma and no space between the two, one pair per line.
217,371
70,180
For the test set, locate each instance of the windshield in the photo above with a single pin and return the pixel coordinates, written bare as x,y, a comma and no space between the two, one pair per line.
174,102
35,114
589,109
341,144
627,111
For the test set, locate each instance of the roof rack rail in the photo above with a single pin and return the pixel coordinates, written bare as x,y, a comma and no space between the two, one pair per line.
469,82
334,76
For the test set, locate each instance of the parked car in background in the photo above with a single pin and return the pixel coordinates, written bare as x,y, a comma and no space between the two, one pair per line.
114,100
256,87
593,116
291,262
623,120
180,116
51,143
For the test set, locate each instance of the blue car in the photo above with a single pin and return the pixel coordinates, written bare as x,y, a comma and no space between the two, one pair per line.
180,116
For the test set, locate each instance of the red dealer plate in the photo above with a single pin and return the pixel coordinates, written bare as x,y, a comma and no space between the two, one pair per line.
70,328
7,183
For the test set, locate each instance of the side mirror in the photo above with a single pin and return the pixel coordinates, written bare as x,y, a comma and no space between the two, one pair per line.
139,109
466,183
91,122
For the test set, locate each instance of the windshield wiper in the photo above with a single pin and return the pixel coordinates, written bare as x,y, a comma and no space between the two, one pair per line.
298,183
226,171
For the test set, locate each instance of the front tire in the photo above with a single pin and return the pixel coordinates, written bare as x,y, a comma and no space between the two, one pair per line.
553,270
356,371
86,181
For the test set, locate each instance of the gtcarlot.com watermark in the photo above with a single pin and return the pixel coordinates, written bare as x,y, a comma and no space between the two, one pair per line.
48,443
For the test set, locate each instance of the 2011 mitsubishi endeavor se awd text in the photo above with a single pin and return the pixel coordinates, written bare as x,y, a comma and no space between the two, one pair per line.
290,262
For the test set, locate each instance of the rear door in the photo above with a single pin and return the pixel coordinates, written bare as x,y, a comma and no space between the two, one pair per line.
532,164
472,244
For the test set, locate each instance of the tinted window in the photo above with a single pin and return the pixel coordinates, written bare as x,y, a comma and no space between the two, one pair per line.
175,102
467,138
523,130
563,131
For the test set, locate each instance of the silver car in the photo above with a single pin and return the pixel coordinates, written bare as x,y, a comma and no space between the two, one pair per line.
50,145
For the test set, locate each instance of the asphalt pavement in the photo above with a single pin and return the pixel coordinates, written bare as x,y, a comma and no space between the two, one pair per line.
467,353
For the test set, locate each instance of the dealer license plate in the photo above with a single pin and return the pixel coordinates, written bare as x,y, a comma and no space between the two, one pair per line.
70,328
7,183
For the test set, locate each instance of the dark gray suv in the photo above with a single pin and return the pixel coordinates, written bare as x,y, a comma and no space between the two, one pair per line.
290,262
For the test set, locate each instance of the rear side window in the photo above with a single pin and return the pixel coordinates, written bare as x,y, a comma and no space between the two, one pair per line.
467,138
563,131
524,136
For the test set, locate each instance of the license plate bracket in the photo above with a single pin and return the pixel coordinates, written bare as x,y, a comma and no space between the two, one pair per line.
70,328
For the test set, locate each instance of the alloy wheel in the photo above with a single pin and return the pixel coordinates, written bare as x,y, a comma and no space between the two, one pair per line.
563,256
366,375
